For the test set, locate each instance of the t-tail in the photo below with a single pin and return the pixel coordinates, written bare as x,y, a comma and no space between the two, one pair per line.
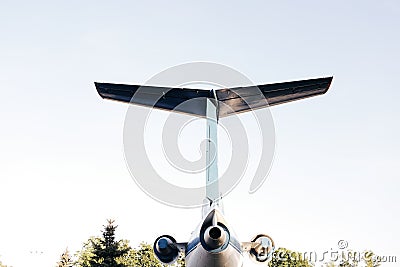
213,242
213,195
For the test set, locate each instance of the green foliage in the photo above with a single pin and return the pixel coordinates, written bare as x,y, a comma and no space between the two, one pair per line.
105,251
370,259
286,258
144,257
85,255
65,260
128,259
181,260
354,259
349,259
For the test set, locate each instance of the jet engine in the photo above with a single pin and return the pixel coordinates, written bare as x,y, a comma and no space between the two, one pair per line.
214,237
165,249
262,248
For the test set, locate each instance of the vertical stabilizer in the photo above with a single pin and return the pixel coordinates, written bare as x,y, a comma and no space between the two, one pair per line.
212,188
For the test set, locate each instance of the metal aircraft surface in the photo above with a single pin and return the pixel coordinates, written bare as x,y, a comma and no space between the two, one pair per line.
213,243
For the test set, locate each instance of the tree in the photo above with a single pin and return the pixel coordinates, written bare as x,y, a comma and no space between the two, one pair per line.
349,259
370,259
86,254
283,257
144,256
108,251
105,251
65,260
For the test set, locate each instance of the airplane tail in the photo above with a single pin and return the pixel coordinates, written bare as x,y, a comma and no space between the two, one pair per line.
213,105
229,101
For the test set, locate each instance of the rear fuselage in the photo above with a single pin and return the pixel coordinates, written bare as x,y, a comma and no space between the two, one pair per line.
213,244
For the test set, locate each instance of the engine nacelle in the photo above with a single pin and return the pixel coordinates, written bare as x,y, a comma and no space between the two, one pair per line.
262,248
214,234
165,249
214,237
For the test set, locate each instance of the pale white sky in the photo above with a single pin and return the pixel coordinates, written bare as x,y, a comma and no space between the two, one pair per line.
62,169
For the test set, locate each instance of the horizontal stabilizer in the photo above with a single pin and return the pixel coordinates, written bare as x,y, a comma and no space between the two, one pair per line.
230,101
158,97
242,99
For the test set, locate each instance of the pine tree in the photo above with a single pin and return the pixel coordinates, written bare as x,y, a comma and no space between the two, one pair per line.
65,260
107,252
